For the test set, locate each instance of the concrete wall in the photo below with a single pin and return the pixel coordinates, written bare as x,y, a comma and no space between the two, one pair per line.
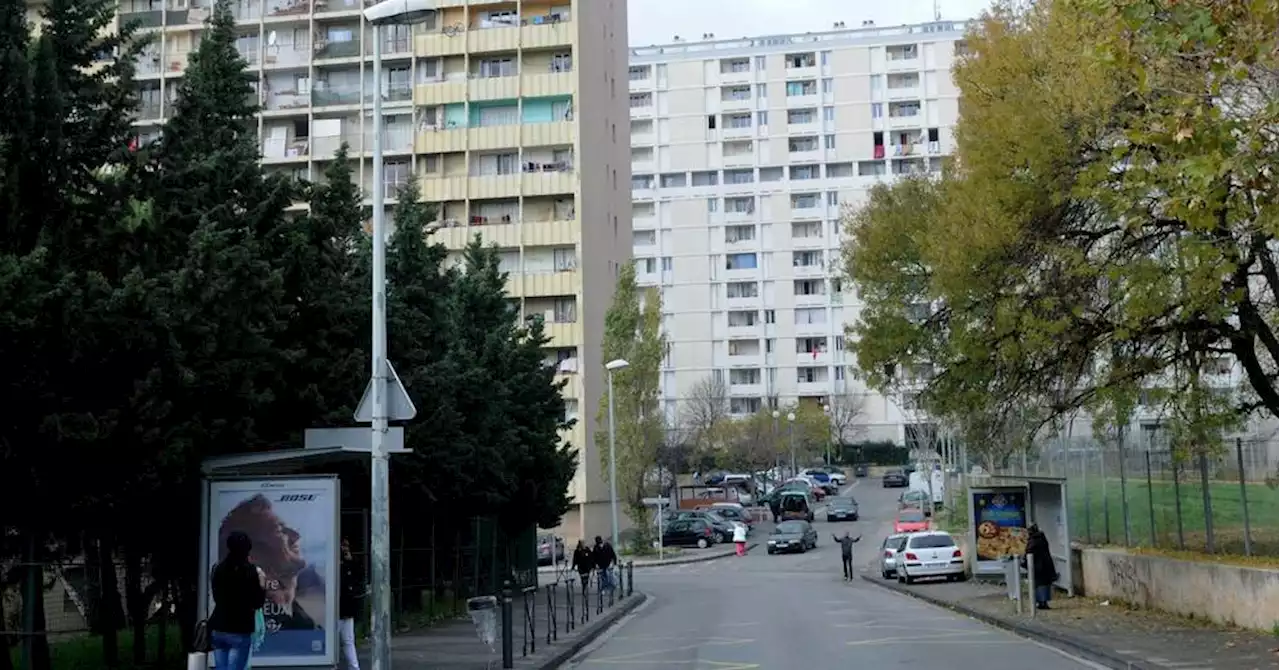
1227,594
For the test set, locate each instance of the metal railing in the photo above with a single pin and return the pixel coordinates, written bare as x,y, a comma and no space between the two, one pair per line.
545,603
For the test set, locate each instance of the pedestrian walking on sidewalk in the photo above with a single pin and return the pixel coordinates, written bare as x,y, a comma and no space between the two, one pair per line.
238,595
1044,571
740,538
605,557
351,591
846,553
584,563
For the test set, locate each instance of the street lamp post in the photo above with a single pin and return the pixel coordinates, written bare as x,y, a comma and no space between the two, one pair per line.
776,455
611,367
384,13
826,410
791,434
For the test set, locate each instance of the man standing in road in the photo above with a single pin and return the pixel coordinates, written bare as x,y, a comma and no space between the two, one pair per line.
846,553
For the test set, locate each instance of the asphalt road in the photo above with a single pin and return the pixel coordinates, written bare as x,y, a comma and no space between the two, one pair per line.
791,611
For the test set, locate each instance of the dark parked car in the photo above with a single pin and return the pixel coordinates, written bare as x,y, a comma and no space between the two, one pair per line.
791,536
550,550
722,528
894,479
860,470
688,533
842,509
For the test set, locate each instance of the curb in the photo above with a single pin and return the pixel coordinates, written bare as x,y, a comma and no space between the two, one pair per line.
1063,642
600,625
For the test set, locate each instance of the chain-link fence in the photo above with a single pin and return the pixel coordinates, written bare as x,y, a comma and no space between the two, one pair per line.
1141,493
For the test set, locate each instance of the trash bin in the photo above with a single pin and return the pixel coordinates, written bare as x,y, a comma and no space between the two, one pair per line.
484,614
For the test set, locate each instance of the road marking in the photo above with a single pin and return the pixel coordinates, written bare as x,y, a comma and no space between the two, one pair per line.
721,665
715,642
915,643
936,638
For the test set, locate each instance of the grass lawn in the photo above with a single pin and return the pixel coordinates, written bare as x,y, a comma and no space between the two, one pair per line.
82,651
1096,506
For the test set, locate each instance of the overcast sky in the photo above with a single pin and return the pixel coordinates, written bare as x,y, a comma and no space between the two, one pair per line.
657,21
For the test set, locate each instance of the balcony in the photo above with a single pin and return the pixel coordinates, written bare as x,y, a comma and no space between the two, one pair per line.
481,87
460,235
738,132
806,209
147,65
906,121
555,133
436,188
562,334
812,329
902,64
186,17
821,388
287,10
325,50
642,111
550,84
739,76
332,7
645,222
814,155
147,19
811,358
288,55
751,360
804,99
743,159
280,150
286,101
742,332
437,140
246,10
395,138
493,137
440,91
740,215
332,97
809,126
549,182
642,165
904,93
550,284
397,93
449,41
493,186
325,146
753,302
749,390
813,271
737,103
543,31
904,150
810,299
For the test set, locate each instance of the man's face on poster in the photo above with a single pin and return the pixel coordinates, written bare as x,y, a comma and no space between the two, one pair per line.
276,546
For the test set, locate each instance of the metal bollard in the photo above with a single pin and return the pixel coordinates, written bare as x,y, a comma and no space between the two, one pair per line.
508,636
569,621
553,631
1031,582
631,577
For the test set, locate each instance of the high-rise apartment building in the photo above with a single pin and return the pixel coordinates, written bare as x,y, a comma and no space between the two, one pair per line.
511,114
744,154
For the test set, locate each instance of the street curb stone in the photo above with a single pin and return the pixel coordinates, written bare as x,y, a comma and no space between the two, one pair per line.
1069,643
599,626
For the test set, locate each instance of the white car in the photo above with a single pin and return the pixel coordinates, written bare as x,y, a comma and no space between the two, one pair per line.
889,554
930,554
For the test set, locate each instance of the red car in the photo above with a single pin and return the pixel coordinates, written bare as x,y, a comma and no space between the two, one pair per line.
910,520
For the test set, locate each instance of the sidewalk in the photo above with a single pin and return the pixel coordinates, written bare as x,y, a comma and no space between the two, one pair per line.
1111,635
455,644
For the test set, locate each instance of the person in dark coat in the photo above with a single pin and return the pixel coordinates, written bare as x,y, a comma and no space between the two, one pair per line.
605,557
238,594
350,592
583,562
1045,572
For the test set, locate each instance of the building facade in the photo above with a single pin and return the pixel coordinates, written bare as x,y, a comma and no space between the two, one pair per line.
744,155
491,107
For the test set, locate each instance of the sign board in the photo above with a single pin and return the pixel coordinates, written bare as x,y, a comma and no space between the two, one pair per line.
399,406
656,502
292,523
998,527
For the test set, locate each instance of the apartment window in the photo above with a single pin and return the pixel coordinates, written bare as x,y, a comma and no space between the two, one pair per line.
806,259
760,62
877,110
829,141
713,205
833,198
743,319
804,201
810,316
803,172
810,375
497,67
806,230
811,345
739,176
744,205
839,170
565,259
742,289
395,175
771,174
674,180
808,87
871,168
641,100
797,144
566,310
744,347
504,115
737,120
739,233
646,265
801,115
900,110
638,72
809,287
730,93
827,85
740,376
762,91
666,264
770,316
642,181
732,65
762,118
899,80
801,60
828,113
498,164
705,178
745,405
901,52
644,238
740,262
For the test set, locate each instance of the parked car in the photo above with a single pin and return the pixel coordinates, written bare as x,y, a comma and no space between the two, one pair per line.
861,470
842,509
550,550
789,536
916,499
688,533
910,520
823,480
889,554
837,475
930,554
894,479
733,513
796,505
721,527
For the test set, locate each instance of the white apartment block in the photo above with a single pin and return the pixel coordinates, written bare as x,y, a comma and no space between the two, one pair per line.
744,154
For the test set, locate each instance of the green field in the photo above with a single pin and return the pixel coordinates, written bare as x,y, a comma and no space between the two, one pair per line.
1096,507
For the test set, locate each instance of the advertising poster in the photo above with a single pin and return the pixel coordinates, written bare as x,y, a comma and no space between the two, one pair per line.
292,524
1000,523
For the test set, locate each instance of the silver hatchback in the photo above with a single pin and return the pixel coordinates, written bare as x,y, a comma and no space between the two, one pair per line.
889,554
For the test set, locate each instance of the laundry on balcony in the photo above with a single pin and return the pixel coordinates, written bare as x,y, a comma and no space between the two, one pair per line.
554,166
290,7
878,152
546,18
486,220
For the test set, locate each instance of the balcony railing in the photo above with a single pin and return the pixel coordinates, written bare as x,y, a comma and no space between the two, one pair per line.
394,138
343,49
149,111
320,98
279,100
325,146
397,93
149,19
289,7
243,10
